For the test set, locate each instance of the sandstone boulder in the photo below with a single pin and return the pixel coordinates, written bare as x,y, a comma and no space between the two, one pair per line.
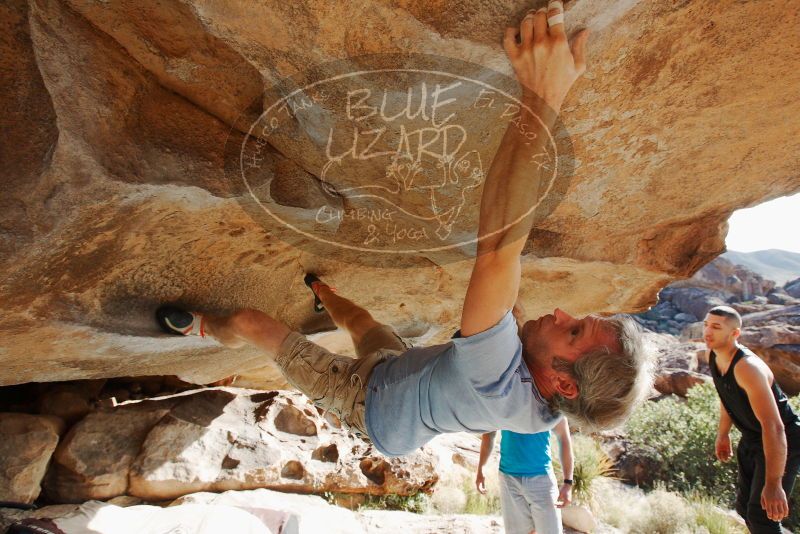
792,288
70,402
721,274
772,314
779,296
696,301
639,466
220,439
123,187
247,512
103,518
94,458
678,381
672,353
27,444
578,518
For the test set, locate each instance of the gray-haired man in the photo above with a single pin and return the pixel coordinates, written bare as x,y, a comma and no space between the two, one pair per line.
492,376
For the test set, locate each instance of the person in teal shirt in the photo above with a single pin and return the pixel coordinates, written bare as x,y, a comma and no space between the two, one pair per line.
529,496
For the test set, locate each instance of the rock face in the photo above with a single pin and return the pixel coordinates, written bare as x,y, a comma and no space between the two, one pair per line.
638,466
775,336
681,306
27,443
678,381
780,296
220,439
680,364
738,280
792,288
687,301
121,191
80,474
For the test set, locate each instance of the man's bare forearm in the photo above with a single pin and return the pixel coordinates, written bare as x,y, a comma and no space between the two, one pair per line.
774,441
518,171
487,445
565,449
725,421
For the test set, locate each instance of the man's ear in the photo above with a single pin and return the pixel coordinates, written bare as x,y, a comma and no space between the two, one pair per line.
565,385
736,333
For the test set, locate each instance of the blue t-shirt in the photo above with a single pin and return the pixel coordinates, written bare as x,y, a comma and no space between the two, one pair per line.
525,455
473,384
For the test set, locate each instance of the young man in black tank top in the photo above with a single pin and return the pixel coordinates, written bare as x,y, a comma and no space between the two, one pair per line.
768,454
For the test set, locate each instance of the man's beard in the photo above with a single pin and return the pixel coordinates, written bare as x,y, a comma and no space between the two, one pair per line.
532,352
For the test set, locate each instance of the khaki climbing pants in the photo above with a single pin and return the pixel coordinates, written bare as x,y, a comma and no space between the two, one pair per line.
334,382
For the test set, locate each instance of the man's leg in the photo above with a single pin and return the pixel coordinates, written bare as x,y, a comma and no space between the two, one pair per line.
326,378
757,520
542,493
345,313
368,335
517,517
247,326
744,479
260,330
331,381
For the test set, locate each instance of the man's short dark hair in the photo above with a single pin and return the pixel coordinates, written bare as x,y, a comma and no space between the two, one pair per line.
727,312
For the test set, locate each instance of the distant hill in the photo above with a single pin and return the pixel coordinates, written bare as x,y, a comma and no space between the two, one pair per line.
778,265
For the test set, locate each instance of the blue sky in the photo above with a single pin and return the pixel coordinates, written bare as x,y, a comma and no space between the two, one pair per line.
774,224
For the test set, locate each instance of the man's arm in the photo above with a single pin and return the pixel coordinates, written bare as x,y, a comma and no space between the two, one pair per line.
512,182
487,444
567,461
755,381
722,448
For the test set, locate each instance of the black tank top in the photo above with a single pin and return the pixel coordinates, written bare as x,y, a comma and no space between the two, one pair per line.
736,403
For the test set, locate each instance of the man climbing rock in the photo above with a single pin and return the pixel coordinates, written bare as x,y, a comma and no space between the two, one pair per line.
491,377
769,452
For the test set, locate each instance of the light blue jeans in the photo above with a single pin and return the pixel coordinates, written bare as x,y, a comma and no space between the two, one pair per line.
530,503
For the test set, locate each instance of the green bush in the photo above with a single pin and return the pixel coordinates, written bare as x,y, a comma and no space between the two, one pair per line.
416,503
681,434
591,463
709,516
665,513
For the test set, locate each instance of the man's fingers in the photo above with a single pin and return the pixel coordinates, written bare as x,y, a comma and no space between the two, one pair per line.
526,30
768,507
578,48
510,41
540,25
555,18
